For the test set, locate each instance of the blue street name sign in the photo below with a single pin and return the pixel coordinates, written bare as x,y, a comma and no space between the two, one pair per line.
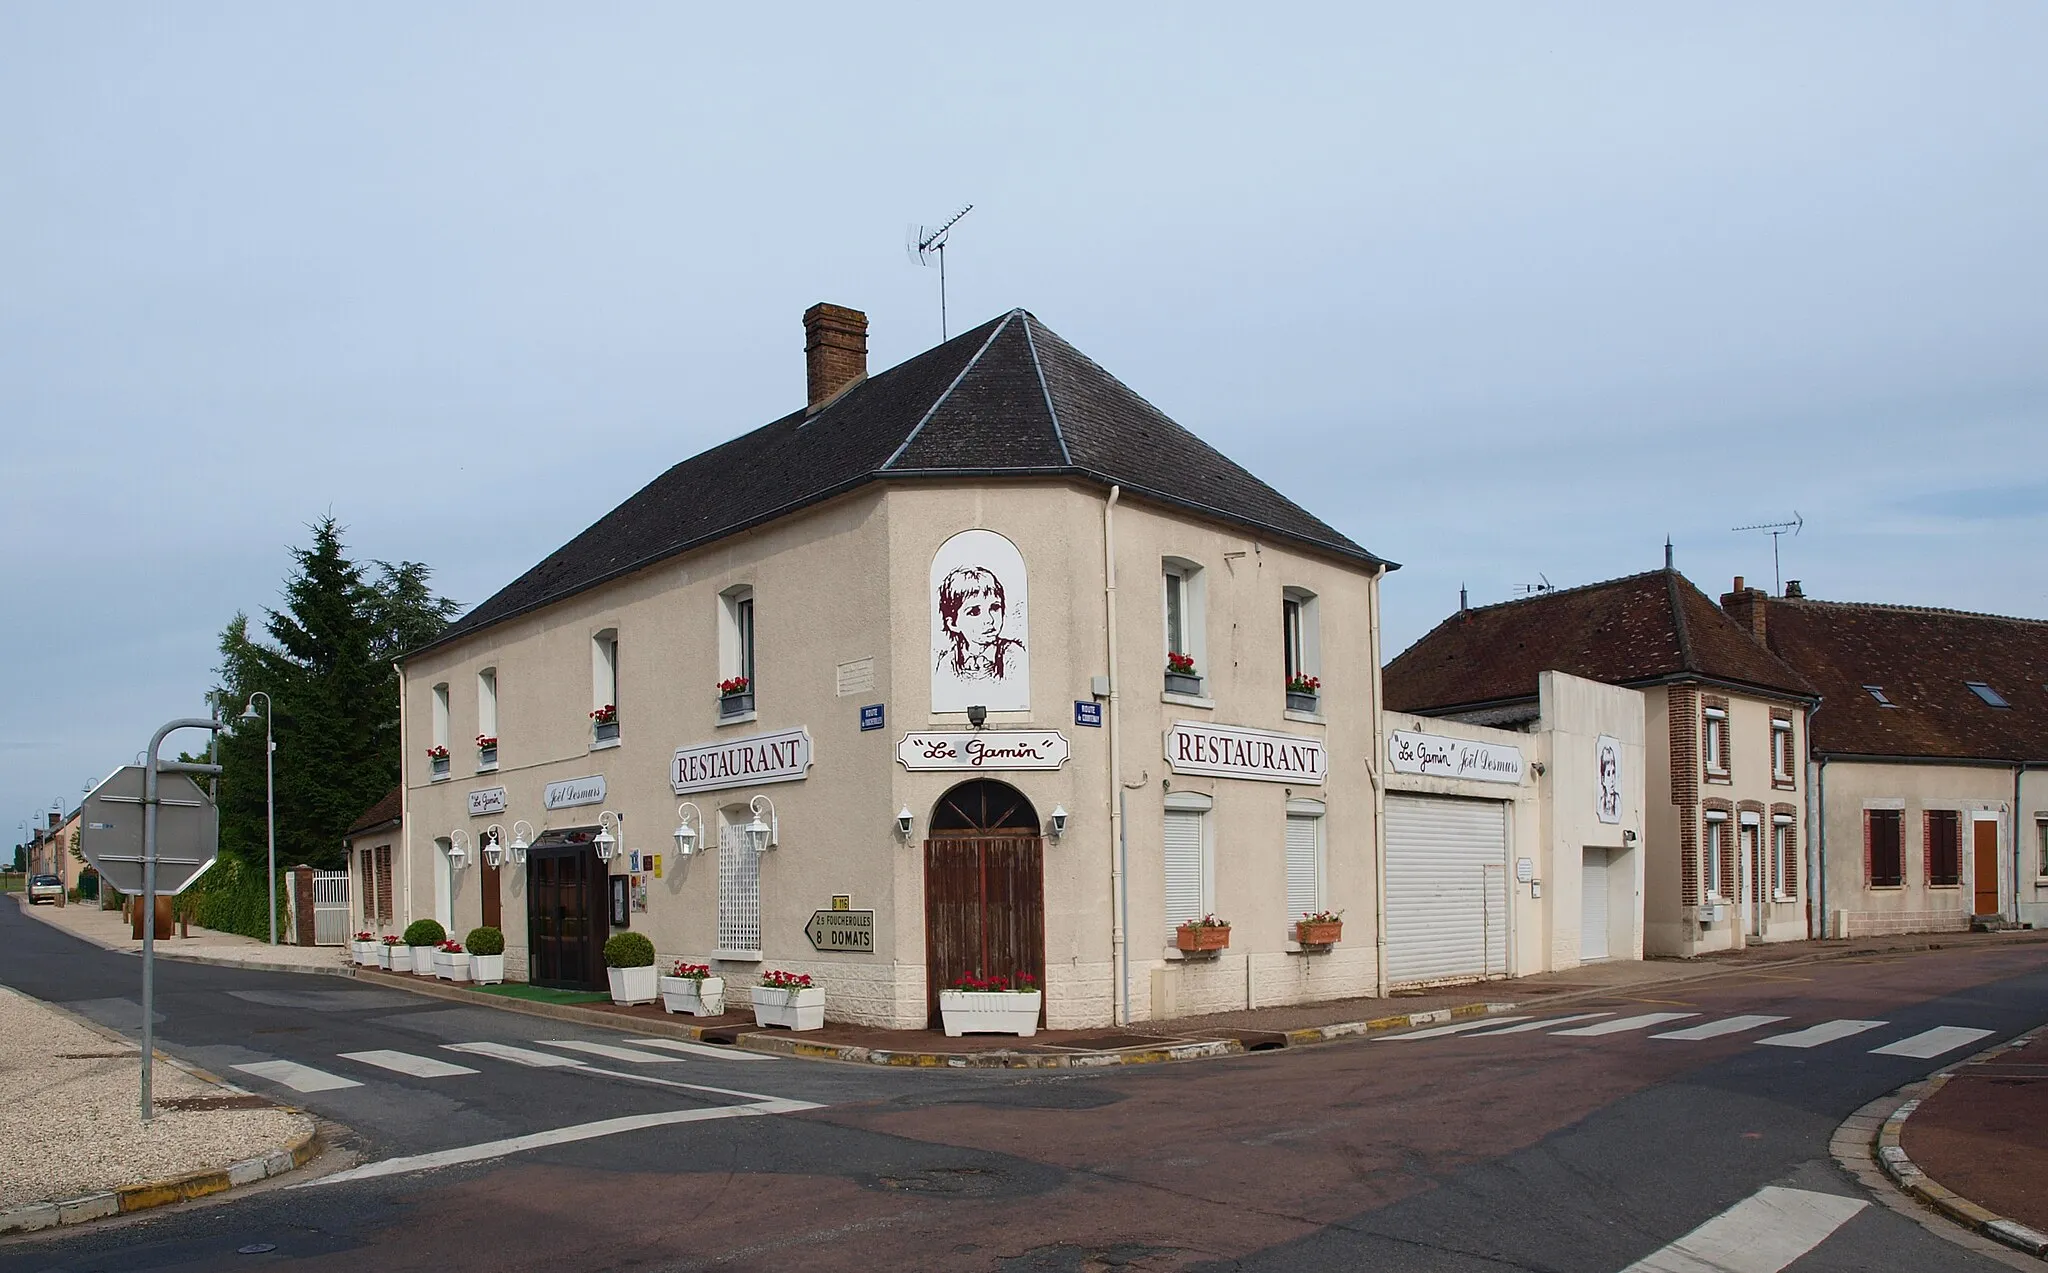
1089,714
871,716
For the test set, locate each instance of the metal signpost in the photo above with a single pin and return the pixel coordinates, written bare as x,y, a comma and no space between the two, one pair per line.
149,840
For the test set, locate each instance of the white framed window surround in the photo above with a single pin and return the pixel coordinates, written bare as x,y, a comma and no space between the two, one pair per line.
604,687
1188,853
1782,760
444,883
1300,633
487,712
1306,860
441,714
1186,611
736,633
1712,846
739,889
1781,855
1714,739
2041,841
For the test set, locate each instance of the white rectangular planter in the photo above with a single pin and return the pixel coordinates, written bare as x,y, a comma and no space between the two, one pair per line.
989,1012
790,1009
451,967
705,998
398,958
487,970
423,960
365,953
634,985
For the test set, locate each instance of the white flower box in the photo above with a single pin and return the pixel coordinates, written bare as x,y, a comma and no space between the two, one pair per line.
634,985
398,958
487,970
790,1009
451,966
989,1012
699,998
364,953
423,960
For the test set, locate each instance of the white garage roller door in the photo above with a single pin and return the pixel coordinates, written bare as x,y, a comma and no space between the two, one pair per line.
1593,906
1446,889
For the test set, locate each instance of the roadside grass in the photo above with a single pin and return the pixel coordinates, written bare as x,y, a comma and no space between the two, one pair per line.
543,994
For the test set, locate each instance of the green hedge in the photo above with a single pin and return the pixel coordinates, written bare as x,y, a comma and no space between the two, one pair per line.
628,950
484,941
231,898
425,932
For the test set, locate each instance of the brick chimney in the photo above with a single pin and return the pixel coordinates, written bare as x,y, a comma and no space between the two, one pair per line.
1746,606
835,351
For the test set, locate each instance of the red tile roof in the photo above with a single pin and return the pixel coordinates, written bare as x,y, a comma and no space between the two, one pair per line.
1923,660
1638,630
384,813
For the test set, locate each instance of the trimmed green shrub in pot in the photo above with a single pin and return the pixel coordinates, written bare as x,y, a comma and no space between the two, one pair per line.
485,941
425,932
628,950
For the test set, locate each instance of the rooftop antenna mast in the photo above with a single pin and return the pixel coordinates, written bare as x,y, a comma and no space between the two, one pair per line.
926,244
1775,530
1537,589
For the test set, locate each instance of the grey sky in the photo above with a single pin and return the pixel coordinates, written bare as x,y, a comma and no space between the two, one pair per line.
1499,290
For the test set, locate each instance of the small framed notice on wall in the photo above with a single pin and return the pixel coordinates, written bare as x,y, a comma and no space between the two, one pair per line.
621,899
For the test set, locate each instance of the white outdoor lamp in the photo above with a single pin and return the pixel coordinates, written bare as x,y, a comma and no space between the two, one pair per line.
494,846
762,836
1059,821
905,823
458,848
686,835
519,841
607,840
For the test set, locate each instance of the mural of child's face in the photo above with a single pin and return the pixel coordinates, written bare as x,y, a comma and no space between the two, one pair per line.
980,620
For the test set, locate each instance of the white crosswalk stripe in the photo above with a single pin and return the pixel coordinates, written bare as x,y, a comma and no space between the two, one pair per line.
519,1056
609,1051
1761,1234
1715,1029
1437,1032
1814,1036
1932,1043
700,1049
1544,1024
1642,1022
299,1078
419,1067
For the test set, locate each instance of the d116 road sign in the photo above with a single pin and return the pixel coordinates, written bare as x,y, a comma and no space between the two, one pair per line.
187,830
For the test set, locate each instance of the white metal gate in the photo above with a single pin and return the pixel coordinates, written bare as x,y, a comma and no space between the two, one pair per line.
1593,905
330,908
1447,913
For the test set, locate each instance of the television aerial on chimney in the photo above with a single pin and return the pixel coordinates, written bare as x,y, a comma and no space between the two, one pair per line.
1537,589
1775,530
924,245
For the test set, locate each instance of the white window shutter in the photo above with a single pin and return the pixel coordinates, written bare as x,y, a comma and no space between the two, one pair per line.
1183,867
739,891
1304,866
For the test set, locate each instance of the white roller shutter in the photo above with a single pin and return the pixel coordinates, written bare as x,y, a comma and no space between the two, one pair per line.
1184,892
1446,889
1304,866
1593,906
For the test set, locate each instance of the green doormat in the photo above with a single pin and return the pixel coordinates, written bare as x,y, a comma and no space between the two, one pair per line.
543,994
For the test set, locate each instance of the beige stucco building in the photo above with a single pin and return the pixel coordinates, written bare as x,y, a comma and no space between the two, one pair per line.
916,635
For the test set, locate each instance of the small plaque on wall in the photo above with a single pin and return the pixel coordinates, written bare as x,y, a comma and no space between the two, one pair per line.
621,899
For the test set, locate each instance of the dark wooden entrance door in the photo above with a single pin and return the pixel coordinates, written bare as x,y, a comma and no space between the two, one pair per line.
1986,845
565,918
493,896
984,889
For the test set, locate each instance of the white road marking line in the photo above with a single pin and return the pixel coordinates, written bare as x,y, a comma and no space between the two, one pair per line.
1761,1234
1544,1024
1715,1029
558,1136
700,1049
1814,1036
1440,1030
609,1051
519,1056
419,1067
1932,1043
299,1078
1642,1022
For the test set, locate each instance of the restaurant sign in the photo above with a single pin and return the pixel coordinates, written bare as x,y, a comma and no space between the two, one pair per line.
1229,751
784,756
1438,756
984,749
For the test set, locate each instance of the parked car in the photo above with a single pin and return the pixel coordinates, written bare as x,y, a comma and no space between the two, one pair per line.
44,888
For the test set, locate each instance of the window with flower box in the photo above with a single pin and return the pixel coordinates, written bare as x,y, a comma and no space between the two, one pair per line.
604,688
1186,642
736,680
437,753
487,719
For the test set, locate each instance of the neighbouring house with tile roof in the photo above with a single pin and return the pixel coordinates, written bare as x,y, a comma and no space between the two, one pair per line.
900,659
1928,757
1726,862
372,845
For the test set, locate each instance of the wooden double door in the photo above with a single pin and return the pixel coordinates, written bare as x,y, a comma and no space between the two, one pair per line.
566,922
984,890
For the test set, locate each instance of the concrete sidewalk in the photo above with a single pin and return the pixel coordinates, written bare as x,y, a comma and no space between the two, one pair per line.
74,1146
205,946
1979,1135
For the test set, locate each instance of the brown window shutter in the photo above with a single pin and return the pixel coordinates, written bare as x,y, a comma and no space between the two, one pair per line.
1927,845
1792,856
1728,851
1688,860
1868,877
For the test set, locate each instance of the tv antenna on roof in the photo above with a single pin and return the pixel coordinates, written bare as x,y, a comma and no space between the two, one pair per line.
1775,530
925,244
1537,589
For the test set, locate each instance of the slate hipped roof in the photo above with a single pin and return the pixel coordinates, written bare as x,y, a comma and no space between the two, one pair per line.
1922,659
1640,630
1007,399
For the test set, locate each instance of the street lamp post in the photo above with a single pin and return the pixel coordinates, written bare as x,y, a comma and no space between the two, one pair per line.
269,800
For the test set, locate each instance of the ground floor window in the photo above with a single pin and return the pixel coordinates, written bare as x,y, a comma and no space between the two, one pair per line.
2041,833
1944,831
739,889
1304,859
444,883
1883,859
1781,857
1714,856
1186,856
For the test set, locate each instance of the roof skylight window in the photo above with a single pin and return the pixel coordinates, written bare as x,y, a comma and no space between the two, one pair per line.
1877,692
1989,695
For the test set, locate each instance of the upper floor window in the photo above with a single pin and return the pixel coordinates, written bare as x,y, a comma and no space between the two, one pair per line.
487,718
1784,757
1300,642
736,681
1714,740
604,686
437,753
1186,644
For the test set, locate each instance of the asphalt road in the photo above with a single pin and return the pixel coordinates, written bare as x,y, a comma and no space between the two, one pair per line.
1477,1150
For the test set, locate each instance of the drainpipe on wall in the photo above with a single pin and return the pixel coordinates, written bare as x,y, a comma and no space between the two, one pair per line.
1120,957
1817,852
2018,771
1373,771
404,798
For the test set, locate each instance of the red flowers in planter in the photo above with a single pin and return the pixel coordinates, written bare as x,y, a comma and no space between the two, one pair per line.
736,685
605,715
366,937
1180,664
437,753
777,979
451,947
695,972
391,939
1298,684
1025,983
484,742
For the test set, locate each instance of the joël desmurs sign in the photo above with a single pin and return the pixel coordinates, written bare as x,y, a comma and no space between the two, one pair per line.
1228,751
784,756
1437,756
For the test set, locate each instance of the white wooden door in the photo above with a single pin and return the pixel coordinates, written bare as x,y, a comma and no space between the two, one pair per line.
1593,906
1446,889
